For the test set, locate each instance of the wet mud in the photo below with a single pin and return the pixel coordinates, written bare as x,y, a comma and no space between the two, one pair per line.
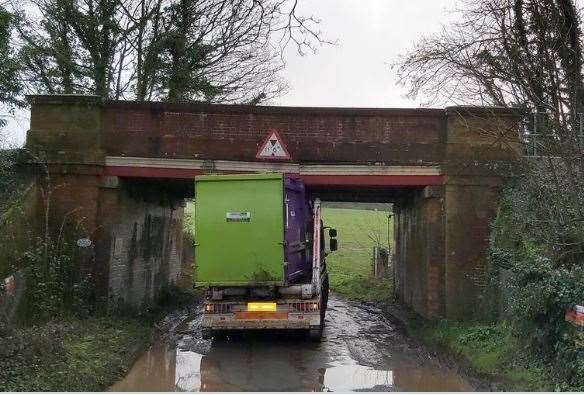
360,351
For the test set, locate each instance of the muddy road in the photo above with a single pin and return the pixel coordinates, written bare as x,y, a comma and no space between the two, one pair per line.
361,351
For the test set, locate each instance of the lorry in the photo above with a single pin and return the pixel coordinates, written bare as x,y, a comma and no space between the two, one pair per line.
260,254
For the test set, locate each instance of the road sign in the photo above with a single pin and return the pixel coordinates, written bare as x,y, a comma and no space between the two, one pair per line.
84,243
273,147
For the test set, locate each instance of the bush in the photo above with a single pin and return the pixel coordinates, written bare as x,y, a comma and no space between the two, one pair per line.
542,279
55,283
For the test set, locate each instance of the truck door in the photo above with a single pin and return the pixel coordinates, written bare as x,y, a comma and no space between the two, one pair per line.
295,217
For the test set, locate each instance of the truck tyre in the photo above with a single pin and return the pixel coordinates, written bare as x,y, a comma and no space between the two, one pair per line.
325,292
315,334
207,334
323,301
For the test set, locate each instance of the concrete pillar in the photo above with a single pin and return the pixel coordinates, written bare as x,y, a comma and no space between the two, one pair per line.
145,250
108,213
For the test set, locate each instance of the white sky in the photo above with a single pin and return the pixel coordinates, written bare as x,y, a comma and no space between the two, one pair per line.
371,34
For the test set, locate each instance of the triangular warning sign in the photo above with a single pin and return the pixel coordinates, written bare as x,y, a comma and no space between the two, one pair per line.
273,147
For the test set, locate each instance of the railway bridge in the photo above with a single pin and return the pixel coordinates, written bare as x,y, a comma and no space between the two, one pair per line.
120,172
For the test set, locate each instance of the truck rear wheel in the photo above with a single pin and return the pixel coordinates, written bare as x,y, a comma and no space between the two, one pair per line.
315,334
206,334
325,292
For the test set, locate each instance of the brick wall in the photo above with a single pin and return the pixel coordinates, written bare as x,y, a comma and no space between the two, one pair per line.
312,135
419,259
469,211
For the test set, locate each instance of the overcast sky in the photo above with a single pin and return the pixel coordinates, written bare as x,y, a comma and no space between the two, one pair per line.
372,34
356,72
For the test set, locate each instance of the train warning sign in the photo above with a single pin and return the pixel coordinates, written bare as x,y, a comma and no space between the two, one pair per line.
273,148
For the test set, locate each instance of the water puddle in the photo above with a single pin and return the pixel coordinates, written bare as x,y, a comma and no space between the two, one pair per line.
349,359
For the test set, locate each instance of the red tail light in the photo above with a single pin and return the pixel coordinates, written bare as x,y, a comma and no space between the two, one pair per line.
216,308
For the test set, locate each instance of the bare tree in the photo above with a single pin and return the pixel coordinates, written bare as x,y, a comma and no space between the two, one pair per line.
501,52
176,50
520,53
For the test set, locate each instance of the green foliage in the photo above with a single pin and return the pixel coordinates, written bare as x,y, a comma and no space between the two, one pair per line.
55,284
70,354
359,287
539,279
492,350
176,51
15,203
12,181
10,86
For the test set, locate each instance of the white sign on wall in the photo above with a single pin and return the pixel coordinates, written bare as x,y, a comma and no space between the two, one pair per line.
84,242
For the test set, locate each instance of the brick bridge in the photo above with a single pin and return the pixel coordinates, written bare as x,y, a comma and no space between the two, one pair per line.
120,173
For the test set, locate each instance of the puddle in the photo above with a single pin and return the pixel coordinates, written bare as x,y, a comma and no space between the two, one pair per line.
350,358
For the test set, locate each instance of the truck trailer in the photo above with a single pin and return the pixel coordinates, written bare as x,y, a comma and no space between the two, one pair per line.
260,253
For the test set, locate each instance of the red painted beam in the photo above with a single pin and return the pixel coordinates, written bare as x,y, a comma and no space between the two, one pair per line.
372,180
314,180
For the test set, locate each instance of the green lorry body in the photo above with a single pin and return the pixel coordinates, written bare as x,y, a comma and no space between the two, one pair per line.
239,238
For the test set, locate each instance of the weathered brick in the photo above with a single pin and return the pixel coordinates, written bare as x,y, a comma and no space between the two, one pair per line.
441,232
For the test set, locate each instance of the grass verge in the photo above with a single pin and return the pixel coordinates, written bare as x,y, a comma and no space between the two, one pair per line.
491,351
350,267
71,354
79,355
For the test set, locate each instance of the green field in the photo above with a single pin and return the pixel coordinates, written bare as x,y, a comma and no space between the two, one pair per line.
350,267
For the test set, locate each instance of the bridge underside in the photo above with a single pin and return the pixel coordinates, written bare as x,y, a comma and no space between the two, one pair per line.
122,171
424,227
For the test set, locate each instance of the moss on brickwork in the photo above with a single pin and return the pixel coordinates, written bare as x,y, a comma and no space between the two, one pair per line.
66,133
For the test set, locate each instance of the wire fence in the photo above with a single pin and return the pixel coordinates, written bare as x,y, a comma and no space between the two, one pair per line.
540,136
